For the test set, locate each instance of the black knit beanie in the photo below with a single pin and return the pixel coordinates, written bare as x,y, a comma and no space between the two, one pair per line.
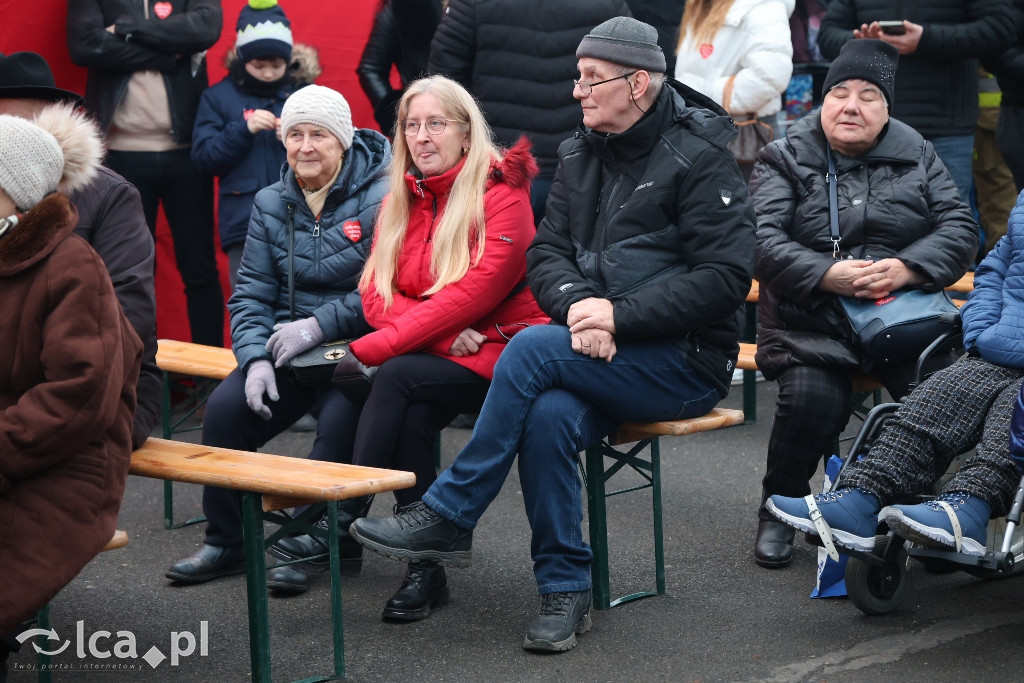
868,59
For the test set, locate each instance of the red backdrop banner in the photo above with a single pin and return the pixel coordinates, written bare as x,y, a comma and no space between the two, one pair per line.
338,30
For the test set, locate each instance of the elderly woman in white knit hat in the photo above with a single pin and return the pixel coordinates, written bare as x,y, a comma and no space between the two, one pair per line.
67,374
309,235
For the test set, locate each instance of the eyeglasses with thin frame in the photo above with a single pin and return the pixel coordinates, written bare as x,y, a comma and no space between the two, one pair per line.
434,126
586,88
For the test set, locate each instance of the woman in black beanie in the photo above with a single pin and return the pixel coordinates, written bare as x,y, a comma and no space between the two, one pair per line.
902,224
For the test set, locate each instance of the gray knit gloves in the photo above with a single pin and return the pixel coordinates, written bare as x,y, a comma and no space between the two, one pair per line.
291,339
259,380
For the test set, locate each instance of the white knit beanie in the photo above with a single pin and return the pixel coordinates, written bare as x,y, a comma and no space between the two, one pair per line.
31,164
322,107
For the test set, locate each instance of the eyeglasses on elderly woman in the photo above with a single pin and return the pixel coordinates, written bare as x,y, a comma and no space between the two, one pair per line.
434,126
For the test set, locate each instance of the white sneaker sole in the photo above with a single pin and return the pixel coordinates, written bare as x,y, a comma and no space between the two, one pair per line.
841,538
929,536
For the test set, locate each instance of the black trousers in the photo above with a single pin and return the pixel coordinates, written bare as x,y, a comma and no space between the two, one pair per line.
414,396
814,406
229,423
187,195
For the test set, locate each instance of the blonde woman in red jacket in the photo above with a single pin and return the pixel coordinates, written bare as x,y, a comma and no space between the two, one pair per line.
444,288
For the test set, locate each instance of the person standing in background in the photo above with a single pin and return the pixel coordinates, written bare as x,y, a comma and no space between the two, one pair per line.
994,192
1008,67
740,54
937,78
147,71
516,57
236,134
400,38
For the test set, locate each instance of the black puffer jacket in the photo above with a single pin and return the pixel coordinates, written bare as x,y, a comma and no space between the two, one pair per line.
1008,66
518,58
896,200
936,86
657,220
148,35
400,37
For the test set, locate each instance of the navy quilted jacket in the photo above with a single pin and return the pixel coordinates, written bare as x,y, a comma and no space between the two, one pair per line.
328,254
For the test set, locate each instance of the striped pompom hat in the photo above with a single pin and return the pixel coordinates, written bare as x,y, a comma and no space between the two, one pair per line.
263,31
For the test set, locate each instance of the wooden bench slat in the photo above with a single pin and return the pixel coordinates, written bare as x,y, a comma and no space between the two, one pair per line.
718,417
279,476
197,360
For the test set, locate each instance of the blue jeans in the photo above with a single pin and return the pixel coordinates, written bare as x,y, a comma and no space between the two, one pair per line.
547,403
957,155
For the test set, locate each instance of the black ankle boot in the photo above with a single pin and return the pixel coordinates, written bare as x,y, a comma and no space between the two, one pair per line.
349,551
773,547
425,586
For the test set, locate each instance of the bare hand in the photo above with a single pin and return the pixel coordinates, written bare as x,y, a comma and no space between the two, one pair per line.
467,343
906,43
592,314
594,343
868,279
261,119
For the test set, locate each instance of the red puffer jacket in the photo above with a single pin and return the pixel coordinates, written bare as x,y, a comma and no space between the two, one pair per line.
491,298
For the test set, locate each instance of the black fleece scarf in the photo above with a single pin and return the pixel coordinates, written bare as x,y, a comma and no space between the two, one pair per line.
254,86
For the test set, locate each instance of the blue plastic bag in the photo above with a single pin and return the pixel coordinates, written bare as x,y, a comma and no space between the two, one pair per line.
831,581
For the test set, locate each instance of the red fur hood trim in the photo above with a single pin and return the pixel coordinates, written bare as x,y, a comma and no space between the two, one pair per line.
517,168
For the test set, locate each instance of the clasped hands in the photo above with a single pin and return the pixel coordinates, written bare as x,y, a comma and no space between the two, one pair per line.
592,326
868,279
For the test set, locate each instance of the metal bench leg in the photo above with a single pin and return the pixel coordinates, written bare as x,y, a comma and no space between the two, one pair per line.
750,376
42,659
336,611
167,429
256,588
595,479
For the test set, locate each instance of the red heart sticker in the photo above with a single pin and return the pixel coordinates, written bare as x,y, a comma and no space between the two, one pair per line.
247,114
706,49
163,9
352,230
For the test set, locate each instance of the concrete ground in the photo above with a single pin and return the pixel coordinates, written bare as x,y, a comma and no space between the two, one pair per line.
723,619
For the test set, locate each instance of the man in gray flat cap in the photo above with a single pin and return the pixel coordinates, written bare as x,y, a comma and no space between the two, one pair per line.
642,261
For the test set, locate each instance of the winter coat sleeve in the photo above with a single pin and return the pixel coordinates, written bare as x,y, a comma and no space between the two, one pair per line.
408,327
781,262
379,55
194,29
984,304
552,271
220,140
717,247
837,27
764,69
91,45
946,253
257,290
989,27
82,363
120,236
453,49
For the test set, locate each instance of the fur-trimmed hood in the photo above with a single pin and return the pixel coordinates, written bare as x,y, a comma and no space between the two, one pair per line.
517,167
37,234
305,64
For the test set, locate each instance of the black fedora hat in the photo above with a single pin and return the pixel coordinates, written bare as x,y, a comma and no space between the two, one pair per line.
26,74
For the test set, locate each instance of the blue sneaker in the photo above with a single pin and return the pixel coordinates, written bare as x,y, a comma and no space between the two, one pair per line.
953,520
847,517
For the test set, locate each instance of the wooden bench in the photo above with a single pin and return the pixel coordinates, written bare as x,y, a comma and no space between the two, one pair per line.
596,475
269,484
117,541
178,358
748,347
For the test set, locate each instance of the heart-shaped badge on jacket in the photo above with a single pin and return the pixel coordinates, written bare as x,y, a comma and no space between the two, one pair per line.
163,9
706,49
352,229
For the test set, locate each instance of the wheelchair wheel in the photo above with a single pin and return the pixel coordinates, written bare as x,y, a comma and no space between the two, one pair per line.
877,590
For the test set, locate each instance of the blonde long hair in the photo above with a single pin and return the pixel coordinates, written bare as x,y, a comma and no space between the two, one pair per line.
702,19
463,217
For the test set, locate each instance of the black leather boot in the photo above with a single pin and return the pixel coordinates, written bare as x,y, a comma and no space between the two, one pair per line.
350,552
425,586
773,547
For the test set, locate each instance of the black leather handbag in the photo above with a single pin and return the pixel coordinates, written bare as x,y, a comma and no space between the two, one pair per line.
351,377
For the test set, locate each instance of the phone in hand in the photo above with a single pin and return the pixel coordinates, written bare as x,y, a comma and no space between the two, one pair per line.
892,28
